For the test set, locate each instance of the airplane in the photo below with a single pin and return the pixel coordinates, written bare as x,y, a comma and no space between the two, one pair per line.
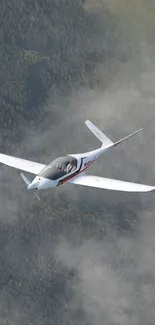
72,168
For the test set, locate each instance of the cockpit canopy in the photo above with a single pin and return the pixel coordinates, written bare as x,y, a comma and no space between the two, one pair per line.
59,167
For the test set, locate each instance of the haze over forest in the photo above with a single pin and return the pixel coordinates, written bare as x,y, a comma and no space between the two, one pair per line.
81,256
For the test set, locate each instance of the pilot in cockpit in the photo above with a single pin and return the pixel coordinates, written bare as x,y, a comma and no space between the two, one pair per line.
71,166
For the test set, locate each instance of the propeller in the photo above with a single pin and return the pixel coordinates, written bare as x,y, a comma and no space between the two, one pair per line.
26,180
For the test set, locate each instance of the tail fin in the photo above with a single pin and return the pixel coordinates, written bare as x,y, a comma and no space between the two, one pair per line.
106,142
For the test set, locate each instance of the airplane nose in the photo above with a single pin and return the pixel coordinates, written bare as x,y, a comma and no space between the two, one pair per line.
41,184
45,183
33,186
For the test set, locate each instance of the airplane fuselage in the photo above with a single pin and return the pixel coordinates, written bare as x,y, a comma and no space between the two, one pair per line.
56,173
72,168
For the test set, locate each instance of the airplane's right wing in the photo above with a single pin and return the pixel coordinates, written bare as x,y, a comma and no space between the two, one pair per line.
110,184
21,164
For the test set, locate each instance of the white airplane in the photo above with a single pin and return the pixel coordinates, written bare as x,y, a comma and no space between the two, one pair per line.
72,169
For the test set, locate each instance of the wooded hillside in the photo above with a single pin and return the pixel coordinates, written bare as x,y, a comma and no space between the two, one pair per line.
45,44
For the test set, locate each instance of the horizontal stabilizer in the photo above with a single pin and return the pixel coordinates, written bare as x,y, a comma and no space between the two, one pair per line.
127,137
110,184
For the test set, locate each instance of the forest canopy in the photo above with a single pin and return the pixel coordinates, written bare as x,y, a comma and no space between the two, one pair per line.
45,44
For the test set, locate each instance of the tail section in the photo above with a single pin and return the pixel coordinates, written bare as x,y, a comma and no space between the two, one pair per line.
106,142
127,137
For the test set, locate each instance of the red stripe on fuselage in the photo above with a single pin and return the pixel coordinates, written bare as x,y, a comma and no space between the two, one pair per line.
75,175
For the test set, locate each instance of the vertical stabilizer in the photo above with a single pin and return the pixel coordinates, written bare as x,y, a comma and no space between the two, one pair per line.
106,142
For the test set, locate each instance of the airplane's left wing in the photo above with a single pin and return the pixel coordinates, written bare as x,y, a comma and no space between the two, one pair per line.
21,164
110,184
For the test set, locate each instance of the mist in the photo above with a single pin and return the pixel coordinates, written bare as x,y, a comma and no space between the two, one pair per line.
86,256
